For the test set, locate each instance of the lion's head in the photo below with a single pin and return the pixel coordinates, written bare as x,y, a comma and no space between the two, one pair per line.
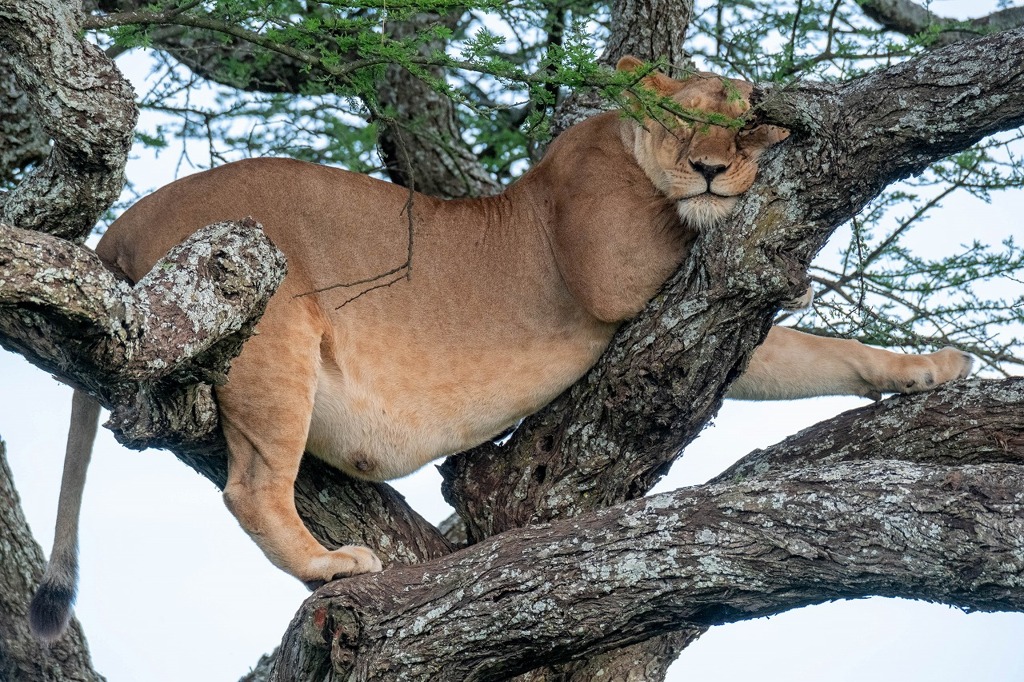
701,166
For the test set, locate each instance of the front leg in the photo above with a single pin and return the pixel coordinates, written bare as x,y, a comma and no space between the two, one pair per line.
791,364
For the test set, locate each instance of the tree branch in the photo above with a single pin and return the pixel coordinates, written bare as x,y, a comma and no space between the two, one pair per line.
727,551
911,19
420,133
905,430
70,81
893,123
61,308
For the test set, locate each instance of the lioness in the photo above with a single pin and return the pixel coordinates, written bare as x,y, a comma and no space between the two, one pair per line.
512,299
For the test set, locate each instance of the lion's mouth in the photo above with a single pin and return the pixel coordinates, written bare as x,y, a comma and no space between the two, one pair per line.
705,209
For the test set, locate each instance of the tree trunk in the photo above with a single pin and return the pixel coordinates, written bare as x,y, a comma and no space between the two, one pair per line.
22,657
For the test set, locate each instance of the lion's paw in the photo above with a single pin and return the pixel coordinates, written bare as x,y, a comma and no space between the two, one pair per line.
344,562
916,373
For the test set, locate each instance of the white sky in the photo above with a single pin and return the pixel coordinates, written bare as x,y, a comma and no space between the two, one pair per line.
173,590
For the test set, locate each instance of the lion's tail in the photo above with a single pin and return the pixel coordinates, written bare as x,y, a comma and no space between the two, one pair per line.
50,610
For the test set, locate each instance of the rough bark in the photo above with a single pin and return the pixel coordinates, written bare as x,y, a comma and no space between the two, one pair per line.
22,657
750,546
931,429
911,19
22,141
86,107
180,324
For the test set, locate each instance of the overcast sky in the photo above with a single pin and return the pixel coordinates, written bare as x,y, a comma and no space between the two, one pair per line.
172,590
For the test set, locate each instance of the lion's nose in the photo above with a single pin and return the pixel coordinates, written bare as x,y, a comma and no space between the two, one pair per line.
708,170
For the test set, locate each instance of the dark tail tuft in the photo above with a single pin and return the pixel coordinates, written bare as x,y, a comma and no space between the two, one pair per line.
50,611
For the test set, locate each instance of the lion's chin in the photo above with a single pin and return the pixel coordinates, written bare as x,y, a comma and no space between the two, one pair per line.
705,210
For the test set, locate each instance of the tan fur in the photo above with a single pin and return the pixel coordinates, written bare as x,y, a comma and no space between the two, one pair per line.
510,300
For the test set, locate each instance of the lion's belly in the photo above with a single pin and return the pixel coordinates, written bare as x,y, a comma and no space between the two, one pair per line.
384,415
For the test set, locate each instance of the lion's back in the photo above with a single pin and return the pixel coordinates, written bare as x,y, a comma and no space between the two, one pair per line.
307,210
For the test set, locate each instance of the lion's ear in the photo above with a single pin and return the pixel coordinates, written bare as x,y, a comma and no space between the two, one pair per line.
767,135
776,134
628,63
762,137
655,80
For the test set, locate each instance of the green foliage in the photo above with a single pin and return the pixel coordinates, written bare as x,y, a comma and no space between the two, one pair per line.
302,79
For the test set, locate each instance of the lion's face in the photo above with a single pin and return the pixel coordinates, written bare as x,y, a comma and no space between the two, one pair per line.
704,168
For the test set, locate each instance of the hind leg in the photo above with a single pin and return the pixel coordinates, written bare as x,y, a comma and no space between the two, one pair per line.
265,411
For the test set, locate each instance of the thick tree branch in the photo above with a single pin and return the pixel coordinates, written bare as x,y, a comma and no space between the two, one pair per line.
22,657
891,124
911,19
703,556
86,107
182,323
906,430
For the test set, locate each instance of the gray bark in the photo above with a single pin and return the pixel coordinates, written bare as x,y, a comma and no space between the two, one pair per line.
86,107
745,547
22,657
22,141
181,324
931,429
